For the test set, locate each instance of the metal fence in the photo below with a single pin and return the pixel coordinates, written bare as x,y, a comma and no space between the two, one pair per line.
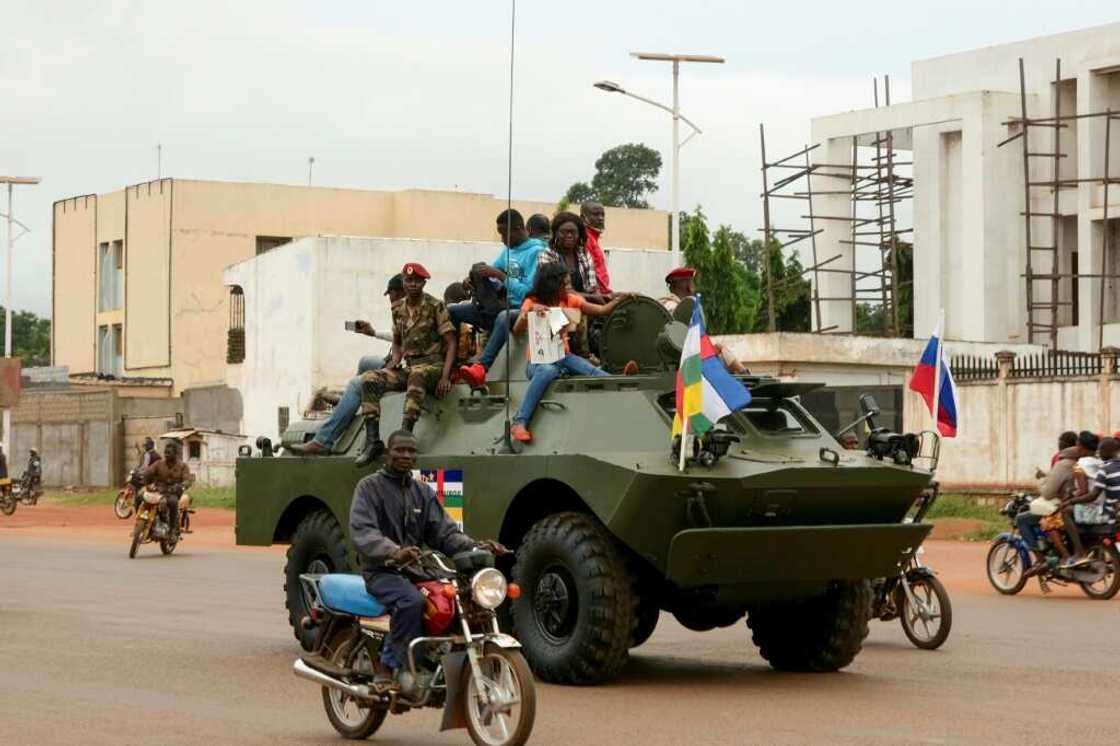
1049,364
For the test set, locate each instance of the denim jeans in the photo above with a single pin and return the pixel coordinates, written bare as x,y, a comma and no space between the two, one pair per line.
370,362
498,326
1027,523
541,375
342,413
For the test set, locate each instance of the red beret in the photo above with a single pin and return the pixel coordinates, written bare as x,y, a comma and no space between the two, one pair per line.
416,269
680,273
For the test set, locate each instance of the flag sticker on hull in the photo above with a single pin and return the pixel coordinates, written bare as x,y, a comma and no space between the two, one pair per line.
448,486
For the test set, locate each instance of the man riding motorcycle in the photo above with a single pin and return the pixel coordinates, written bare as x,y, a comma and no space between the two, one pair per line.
34,470
149,457
391,516
170,477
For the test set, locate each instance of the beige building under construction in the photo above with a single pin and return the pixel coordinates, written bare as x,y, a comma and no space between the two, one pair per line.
137,273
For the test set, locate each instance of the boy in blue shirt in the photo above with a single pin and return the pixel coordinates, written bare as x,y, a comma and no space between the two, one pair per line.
516,269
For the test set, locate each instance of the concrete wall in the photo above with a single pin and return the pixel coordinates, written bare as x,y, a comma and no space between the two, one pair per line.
1010,428
74,291
179,235
76,433
298,298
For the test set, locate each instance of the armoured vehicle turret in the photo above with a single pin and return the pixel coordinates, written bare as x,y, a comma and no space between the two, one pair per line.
771,520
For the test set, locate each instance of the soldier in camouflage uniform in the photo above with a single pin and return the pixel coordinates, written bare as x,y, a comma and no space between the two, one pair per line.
424,338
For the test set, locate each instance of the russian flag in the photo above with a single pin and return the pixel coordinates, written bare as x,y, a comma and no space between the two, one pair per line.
923,379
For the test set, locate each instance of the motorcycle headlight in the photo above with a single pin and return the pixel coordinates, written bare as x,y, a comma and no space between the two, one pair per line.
488,588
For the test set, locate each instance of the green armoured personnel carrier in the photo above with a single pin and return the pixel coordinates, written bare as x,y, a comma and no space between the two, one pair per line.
770,520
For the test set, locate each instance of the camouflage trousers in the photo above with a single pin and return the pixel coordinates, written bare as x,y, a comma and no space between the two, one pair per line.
415,381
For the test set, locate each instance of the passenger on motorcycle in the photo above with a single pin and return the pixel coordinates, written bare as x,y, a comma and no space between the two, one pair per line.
171,478
149,457
391,516
1097,500
1058,487
34,469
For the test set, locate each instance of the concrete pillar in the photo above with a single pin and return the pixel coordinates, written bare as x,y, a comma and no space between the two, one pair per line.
1001,448
1104,389
833,285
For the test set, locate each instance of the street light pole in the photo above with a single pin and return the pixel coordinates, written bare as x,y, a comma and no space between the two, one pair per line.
675,219
11,181
676,59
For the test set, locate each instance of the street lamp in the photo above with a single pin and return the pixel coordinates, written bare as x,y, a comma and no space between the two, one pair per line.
675,111
10,181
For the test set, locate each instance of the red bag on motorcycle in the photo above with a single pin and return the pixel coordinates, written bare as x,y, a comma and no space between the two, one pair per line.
439,606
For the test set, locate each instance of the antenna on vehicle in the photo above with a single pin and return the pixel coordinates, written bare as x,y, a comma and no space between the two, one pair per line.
508,444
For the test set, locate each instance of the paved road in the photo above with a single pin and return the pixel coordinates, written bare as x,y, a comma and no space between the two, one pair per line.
81,623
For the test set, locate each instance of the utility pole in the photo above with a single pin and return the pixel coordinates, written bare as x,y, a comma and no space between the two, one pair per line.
310,164
11,181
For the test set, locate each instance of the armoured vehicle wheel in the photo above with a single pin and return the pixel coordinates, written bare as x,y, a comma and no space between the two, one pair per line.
817,634
577,608
318,546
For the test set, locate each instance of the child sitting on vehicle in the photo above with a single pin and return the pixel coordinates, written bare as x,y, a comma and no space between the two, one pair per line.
551,290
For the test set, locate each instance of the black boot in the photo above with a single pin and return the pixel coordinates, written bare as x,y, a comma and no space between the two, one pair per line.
373,447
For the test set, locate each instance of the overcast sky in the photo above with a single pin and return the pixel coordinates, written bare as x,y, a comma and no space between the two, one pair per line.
391,95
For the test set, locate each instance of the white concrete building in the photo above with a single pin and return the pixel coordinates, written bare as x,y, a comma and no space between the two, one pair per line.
969,231
297,298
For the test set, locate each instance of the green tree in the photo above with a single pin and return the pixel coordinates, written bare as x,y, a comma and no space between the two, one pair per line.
624,176
792,292
729,291
872,318
31,337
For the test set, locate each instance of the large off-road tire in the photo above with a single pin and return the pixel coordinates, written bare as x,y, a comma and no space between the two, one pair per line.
817,634
1107,586
318,546
349,717
577,607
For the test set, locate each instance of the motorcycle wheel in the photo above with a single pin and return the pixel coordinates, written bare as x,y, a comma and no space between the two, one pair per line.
137,536
1106,587
167,546
927,634
7,504
1005,568
506,675
122,506
349,718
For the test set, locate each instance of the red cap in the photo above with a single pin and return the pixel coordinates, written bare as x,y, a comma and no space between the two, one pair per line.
415,269
680,273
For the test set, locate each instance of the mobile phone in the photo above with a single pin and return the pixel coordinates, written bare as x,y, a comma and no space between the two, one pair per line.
351,326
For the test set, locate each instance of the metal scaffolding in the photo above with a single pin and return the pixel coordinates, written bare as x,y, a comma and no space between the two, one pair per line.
1043,307
876,183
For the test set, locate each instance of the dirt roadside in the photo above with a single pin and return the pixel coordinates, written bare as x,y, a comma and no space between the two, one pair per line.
212,527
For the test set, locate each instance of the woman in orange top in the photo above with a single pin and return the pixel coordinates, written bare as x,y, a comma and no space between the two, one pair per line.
552,289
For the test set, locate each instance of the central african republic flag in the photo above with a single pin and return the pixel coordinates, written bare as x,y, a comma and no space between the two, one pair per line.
706,390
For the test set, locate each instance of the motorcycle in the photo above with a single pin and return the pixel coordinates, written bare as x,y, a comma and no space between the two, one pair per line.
152,522
125,503
464,664
27,490
915,596
1010,556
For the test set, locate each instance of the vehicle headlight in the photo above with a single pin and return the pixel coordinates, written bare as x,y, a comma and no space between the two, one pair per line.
488,588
